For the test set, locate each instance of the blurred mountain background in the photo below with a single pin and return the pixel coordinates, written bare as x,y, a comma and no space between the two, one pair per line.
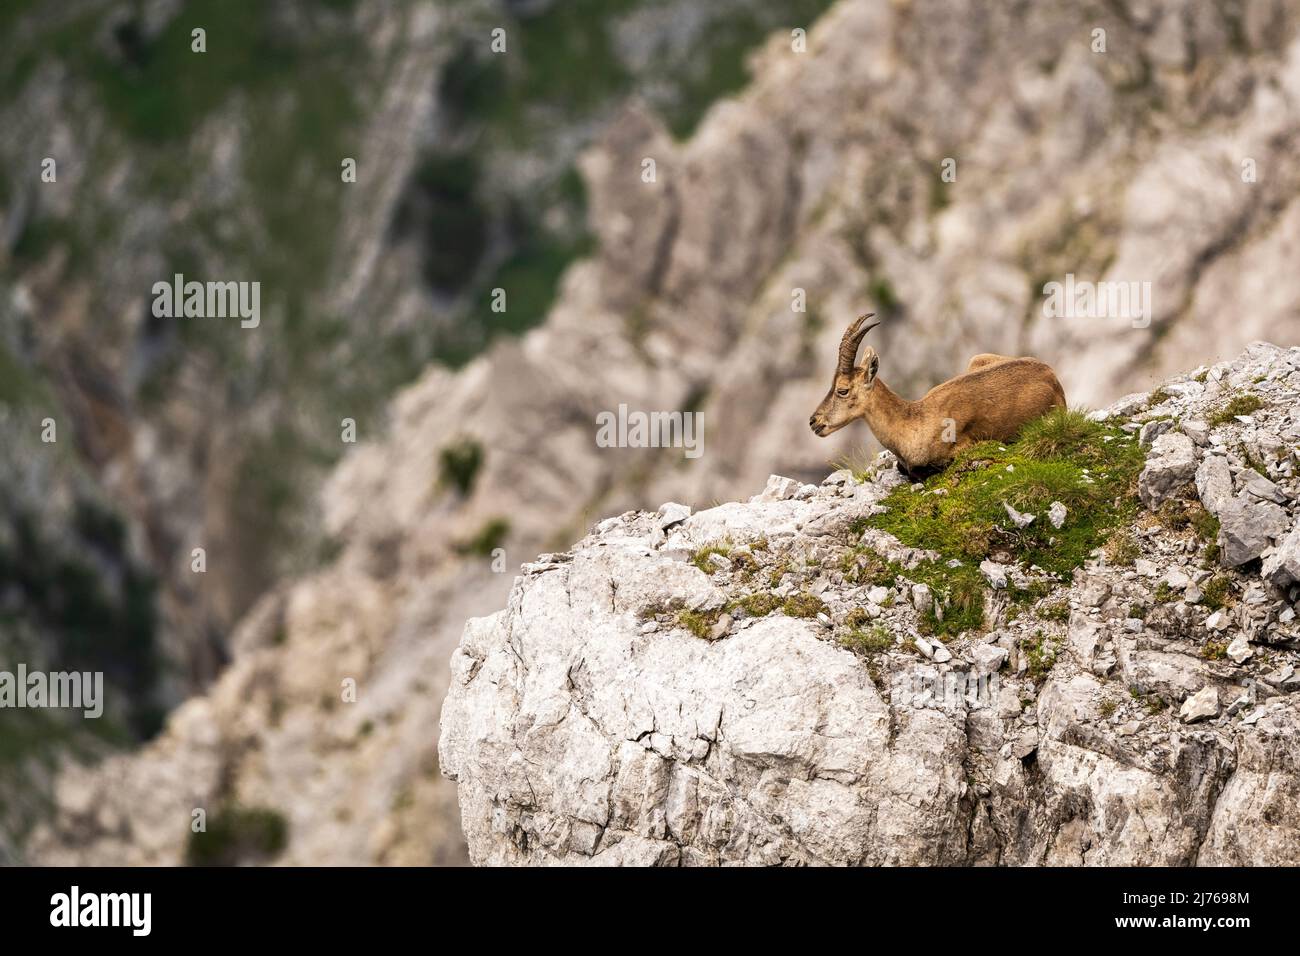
784,173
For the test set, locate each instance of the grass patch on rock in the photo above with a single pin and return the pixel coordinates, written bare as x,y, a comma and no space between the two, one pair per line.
700,556
871,641
1243,404
1060,457
958,597
1089,467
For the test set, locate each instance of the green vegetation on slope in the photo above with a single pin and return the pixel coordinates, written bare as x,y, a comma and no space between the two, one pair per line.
1089,467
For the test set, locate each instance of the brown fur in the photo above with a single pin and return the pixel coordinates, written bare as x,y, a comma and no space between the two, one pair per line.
992,399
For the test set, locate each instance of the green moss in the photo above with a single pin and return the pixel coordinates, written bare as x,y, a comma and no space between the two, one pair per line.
1243,404
1089,467
758,604
1061,457
697,622
1215,650
958,591
239,835
744,562
803,605
700,556
1032,592
876,640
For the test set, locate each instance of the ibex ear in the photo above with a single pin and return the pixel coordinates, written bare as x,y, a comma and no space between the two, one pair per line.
870,365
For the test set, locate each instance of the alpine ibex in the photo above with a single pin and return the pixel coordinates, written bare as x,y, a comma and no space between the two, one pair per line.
992,399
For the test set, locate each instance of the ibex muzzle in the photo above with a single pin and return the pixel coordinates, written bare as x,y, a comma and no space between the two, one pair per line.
992,399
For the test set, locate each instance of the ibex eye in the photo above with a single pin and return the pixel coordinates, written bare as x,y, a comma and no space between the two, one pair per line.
842,392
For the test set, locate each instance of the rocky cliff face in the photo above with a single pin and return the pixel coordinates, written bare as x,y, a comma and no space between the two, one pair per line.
772,682
821,177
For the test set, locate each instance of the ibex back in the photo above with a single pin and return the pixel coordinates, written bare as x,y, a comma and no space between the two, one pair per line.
992,399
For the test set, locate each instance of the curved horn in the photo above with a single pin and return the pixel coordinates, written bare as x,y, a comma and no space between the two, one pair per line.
853,336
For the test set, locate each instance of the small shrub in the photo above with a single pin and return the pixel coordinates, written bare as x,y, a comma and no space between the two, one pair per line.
487,539
459,464
237,835
1214,650
1214,594
1251,460
1121,549
1243,404
1032,592
1204,525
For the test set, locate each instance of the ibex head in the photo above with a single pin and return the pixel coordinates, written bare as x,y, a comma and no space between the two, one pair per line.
851,387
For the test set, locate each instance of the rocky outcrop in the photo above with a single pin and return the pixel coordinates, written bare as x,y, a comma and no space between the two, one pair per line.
635,704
